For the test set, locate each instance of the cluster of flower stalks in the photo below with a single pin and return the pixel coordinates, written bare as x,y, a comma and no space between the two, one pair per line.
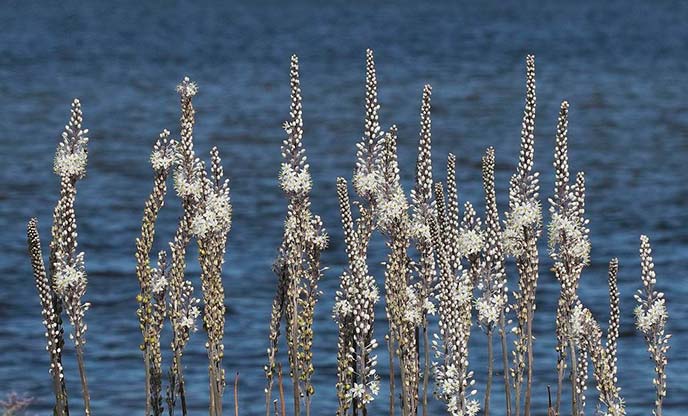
445,273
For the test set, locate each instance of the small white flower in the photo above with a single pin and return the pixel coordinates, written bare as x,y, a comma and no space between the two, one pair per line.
471,242
294,182
366,183
656,315
215,217
159,282
71,159
185,185
187,88
162,157
342,309
357,391
69,274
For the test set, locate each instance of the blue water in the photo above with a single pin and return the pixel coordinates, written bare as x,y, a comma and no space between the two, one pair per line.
622,66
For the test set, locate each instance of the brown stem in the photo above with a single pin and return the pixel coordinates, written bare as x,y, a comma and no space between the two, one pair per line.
490,364
236,395
560,377
530,360
505,363
390,348
82,376
426,369
146,364
295,359
283,406
574,377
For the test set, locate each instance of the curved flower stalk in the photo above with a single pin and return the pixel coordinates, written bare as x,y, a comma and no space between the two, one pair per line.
455,297
210,226
522,229
161,159
423,210
298,264
587,336
183,307
651,317
358,382
492,303
50,319
569,247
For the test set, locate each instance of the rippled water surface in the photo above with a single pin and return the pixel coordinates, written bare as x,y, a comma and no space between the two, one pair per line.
622,67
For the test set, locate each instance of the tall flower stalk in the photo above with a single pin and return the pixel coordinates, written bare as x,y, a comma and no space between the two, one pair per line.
423,211
183,308
53,333
298,265
569,247
148,312
522,229
210,226
454,382
492,303
651,317
357,380
66,286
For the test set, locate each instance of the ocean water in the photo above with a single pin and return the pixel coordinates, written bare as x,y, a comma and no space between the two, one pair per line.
621,65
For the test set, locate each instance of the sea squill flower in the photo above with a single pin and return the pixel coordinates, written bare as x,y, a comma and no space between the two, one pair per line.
651,317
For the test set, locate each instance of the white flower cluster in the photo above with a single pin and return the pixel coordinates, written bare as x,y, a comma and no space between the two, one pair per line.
162,157
71,157
471,242
419,228
654,317
293,182
413,312
366,183
522,216
215,217
365,393
391,208
342,309
571,236
188,321
580,321
158,282
187,88
188,185
69,274
451,386
489,308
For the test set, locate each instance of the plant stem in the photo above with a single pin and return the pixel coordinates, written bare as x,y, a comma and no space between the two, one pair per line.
82,375
574,377
560,377
505,363
236,395
530,360
426,369
283,406
490,364
146,364
390,348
